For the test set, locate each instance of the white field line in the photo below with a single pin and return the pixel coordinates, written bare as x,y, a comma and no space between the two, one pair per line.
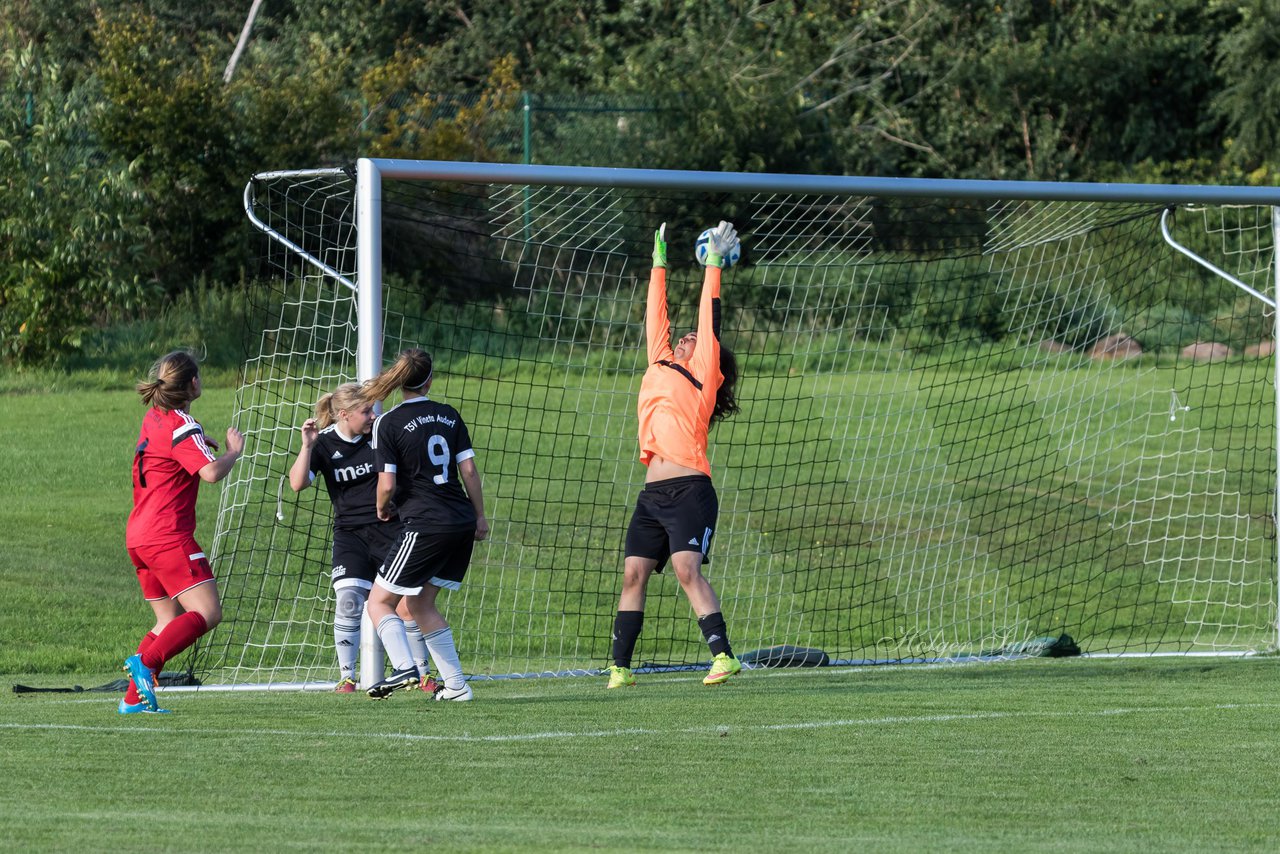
711,729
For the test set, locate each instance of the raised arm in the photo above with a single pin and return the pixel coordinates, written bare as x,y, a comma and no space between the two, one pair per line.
221,467
657,326
705,363
300,471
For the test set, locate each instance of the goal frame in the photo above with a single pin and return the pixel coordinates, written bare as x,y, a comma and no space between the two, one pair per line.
370,173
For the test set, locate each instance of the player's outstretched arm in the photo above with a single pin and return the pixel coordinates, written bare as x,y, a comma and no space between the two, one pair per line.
660,247
300,471
657,325
705,362
720,243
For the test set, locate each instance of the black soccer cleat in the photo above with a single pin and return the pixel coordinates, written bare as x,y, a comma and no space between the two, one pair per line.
393,683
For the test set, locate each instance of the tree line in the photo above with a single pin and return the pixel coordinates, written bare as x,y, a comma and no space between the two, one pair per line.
126,136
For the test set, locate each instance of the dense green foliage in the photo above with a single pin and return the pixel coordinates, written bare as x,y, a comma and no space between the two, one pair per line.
126,139
70,238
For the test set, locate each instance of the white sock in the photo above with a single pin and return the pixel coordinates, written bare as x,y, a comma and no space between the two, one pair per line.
418,646
348,613
395,642
346,640
445,656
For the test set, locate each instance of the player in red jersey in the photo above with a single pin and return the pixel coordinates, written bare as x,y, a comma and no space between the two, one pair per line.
685,390
171,458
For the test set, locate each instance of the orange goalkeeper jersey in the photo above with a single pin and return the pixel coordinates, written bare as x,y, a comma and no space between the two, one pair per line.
677,398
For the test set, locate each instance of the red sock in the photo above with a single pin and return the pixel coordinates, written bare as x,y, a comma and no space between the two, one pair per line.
177,636
131,693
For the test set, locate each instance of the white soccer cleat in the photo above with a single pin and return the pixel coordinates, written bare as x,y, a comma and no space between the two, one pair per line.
458,695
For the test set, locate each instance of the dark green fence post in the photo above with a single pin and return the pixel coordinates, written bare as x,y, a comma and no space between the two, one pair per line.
528,155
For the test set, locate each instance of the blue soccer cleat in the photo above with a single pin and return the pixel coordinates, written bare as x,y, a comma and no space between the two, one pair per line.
142,680
139,708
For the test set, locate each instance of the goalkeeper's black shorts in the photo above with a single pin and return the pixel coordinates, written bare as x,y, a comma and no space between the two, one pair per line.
676,515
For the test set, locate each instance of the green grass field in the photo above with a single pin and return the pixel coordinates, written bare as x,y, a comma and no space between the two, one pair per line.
1039,755
1056,755
69,594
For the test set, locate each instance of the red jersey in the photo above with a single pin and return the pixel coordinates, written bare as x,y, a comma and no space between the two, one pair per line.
166,463
677,398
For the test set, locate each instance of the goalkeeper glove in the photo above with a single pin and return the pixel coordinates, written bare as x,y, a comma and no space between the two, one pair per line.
721,242
660,247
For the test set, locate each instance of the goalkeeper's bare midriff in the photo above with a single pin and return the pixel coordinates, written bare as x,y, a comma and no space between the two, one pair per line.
661,468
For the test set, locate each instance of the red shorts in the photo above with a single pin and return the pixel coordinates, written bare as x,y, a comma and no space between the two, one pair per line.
170,569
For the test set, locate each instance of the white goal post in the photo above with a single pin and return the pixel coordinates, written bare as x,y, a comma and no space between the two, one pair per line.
975,414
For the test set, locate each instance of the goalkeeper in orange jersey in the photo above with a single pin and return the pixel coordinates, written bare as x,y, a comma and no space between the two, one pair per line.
685,390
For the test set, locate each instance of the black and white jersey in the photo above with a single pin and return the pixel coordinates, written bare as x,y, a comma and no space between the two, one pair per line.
350,475
422,442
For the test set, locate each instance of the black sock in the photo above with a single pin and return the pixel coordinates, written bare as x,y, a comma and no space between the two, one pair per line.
626,628
716,633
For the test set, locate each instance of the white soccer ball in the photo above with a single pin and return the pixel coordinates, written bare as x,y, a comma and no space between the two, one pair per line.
700,250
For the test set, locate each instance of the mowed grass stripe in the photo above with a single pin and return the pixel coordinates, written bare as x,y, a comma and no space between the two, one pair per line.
710,729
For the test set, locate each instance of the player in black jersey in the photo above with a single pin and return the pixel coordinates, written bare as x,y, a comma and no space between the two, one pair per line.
335,446
424,459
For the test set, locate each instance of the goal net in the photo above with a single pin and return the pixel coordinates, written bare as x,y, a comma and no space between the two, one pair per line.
967,423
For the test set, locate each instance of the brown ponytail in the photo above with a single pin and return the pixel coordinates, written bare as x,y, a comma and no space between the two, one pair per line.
169,385
411,370
346,396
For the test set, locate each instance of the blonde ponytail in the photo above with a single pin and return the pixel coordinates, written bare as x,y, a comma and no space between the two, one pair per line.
347,396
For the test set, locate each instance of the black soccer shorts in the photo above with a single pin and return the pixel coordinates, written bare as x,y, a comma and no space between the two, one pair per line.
676,515
358,552
419,558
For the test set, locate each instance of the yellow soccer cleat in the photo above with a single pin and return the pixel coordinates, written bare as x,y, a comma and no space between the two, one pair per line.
722,667
620,677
